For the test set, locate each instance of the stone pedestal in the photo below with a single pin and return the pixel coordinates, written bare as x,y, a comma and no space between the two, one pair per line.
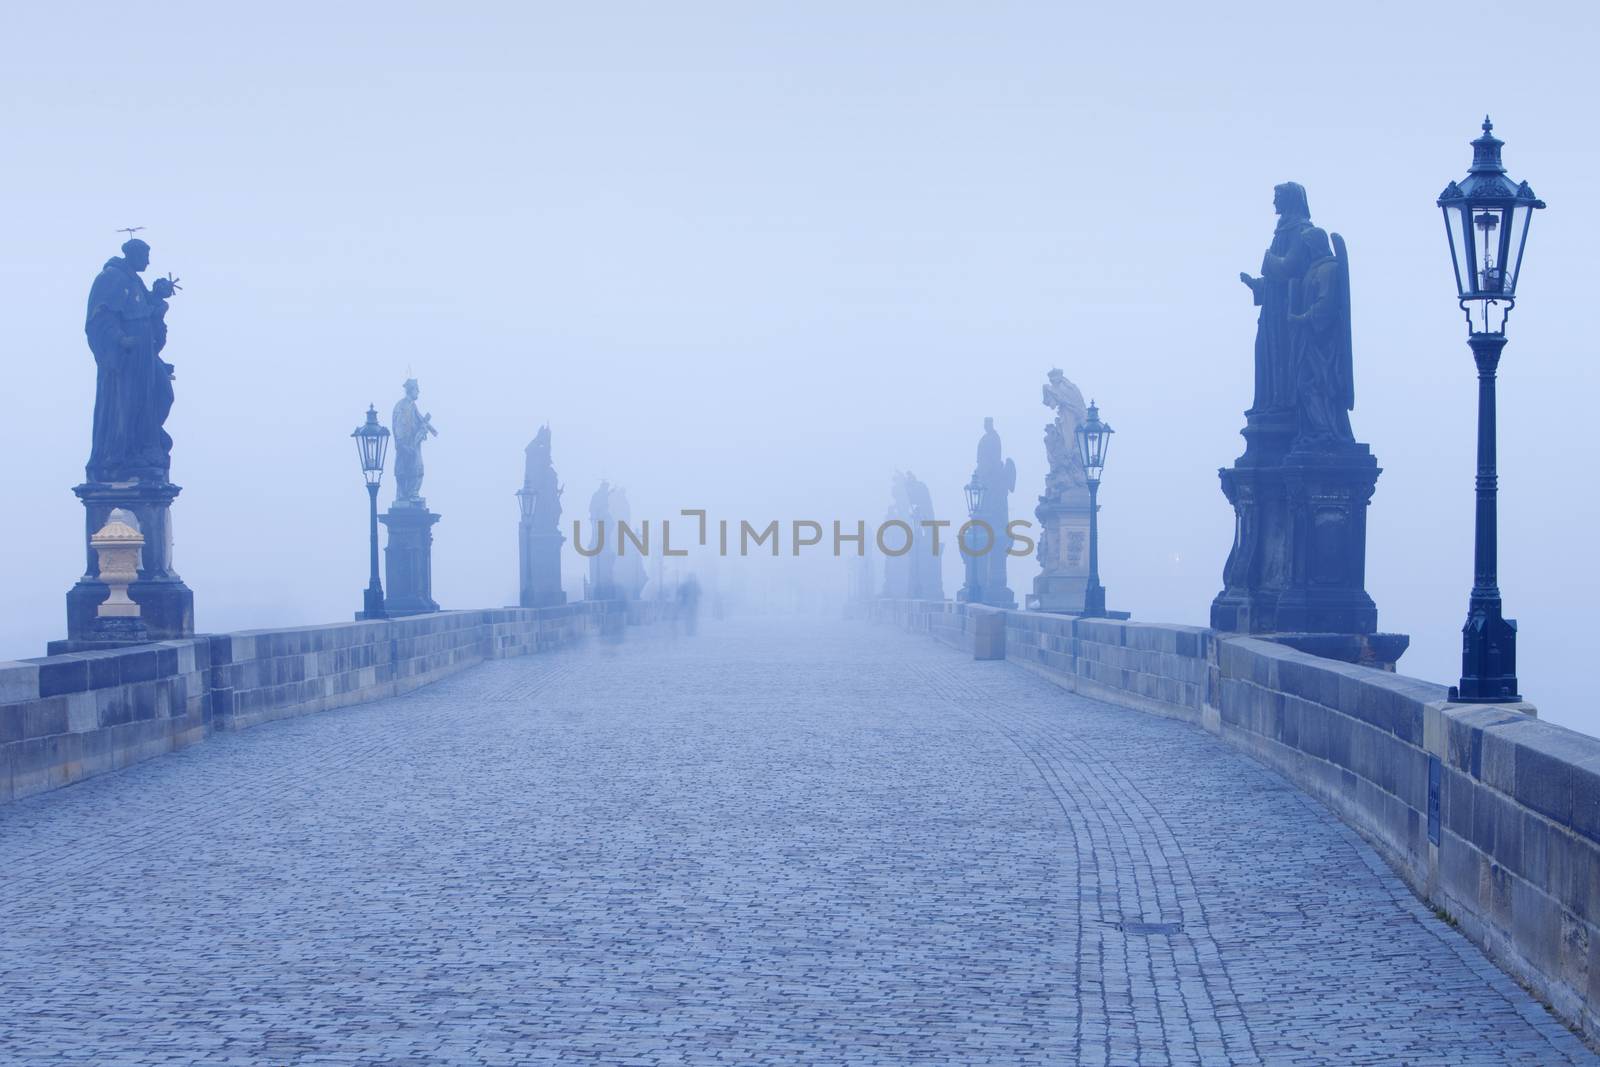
408,560
541,568
1063,554
166,605
602,575
983,561
1299,556
996,593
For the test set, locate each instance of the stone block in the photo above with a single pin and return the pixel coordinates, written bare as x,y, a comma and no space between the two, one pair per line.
83,712
1536,926
1579,868
18,682
143,699
1494,896
1457,793
1586,798
1543,770
1303,676
105,669
1488,808
115,706
11,723
1411,778
1339,731
138,665
63,674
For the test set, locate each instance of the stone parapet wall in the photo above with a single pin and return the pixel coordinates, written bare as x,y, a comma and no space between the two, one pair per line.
1490,815
66,718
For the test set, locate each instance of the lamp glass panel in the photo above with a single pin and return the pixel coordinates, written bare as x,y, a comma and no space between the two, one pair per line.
1456,215
1489,232
1517,240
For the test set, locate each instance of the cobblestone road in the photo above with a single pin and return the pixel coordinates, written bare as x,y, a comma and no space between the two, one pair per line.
798,843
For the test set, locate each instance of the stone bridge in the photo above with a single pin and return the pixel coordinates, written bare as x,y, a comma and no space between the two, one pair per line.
781,841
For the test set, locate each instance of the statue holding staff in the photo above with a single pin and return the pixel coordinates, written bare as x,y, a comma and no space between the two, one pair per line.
410,428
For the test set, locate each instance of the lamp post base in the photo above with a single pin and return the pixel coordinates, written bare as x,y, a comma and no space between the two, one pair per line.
372,605
1488,656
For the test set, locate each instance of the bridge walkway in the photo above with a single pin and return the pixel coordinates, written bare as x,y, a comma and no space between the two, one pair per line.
781,841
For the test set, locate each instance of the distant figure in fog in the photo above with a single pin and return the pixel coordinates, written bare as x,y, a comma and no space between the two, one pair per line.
689,603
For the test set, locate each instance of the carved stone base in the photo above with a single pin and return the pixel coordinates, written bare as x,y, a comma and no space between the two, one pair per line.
408,561
1382,651
1063,555
541,569
166,605
1059,593
113,631
1299,557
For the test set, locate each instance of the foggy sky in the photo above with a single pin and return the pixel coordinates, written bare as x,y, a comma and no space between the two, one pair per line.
756,257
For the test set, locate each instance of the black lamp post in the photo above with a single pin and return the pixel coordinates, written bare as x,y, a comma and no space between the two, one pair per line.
974,491
1486,217
1094,438
372,441
526,498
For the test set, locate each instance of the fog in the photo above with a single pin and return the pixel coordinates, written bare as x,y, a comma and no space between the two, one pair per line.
755,258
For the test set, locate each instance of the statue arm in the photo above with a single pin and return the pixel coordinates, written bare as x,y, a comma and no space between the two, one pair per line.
1254,285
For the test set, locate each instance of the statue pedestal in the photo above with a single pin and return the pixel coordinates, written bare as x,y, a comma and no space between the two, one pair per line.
1299,557
541,569
602,583
995,592
408,560
166,605
1063,554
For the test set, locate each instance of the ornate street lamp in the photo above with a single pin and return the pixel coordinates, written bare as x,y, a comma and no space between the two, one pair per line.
975,490
1486,217
1094,439
372,442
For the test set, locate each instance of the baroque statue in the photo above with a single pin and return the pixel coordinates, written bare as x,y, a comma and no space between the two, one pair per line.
1301,489
1303,349
539,538
998,476
1060,440
410,428
127,330
539,476
1063,509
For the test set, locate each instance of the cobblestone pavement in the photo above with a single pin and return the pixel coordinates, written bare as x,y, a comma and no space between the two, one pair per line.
787,842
